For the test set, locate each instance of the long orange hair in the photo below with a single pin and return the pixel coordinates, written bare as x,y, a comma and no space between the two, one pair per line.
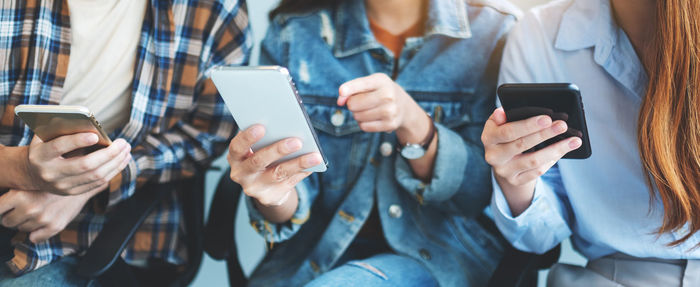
669,120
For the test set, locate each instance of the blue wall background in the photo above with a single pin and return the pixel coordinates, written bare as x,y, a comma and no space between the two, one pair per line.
251,246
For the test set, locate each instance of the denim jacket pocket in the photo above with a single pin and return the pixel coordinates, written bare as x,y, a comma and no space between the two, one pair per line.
449,109
328,117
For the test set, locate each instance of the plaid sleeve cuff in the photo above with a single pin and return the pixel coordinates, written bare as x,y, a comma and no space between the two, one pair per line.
123,185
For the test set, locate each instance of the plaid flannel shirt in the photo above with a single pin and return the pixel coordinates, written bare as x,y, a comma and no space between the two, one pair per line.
177,122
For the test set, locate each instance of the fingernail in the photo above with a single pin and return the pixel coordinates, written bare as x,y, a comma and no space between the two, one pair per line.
91,138
342,90
121,144
544,121
575,143
313,160
293,144
256,131
559,128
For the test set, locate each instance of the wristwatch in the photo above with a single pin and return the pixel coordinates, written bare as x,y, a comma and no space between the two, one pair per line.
417,150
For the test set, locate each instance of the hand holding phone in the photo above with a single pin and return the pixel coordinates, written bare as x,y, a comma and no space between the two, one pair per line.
52,163
530,134
270,184
277,147
51,171
267,96
515,171
559,101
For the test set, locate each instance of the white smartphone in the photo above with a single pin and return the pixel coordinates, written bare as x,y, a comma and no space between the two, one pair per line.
51,121
266,95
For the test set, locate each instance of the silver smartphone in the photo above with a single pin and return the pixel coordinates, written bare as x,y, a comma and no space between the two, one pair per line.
266,95
51,121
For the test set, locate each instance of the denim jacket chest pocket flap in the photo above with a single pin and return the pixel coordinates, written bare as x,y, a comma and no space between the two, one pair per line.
451,109
328,117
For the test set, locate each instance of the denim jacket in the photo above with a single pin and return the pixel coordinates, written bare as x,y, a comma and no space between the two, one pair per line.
451,72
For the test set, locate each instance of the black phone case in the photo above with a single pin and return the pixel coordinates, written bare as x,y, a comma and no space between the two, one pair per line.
561,101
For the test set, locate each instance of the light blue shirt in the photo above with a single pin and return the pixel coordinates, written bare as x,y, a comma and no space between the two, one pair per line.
602,202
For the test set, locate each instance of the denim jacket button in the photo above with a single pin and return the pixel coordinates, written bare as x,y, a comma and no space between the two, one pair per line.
314,266
386,149
424,254
338,118
395,211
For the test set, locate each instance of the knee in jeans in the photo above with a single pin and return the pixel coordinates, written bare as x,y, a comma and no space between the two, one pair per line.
369,268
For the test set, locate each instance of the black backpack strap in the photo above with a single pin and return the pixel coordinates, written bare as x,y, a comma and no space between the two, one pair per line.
219,239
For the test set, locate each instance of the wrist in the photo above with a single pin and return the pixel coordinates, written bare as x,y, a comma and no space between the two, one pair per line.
25,168
518,197
18,175
415,127
279,213
276,202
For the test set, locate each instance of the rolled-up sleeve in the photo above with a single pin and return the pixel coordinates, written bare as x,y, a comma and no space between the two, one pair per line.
448,172
279,232
543,224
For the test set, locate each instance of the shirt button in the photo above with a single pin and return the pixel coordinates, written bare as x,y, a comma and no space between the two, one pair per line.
386,149
395,211
338,118
424,254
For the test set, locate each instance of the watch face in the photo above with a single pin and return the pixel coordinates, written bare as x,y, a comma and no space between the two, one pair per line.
412,151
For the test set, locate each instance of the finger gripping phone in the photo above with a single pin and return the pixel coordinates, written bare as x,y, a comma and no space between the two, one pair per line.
560,101
266,95
51,121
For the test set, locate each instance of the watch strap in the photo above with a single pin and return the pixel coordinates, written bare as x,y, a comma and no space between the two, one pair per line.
425,143
429,138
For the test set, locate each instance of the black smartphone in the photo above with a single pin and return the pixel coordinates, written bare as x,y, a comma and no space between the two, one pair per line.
560,101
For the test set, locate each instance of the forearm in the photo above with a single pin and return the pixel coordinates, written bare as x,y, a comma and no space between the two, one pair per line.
15,175
280,213
519,197
423,167
415,132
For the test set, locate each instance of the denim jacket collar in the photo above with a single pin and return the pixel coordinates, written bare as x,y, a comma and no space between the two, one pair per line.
590,23
445,17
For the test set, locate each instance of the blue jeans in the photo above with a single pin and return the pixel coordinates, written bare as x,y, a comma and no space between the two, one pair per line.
58,273
370,262
379,270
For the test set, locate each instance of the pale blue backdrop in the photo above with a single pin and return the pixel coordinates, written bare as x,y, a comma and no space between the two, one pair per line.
251,246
